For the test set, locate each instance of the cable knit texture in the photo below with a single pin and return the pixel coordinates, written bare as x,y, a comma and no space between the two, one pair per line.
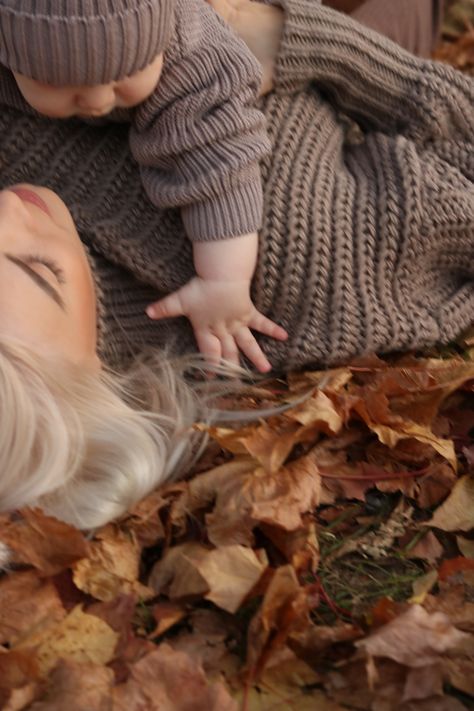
367,243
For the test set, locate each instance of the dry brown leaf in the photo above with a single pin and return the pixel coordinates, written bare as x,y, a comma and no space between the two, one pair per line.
42,541
284,611
77,687
206,640
455,600
466,546
318,410
112,567
423,683
457,512
80,637
143,520
460,674
300,547
286,686
166,615
177,575
268,445
201,491
223,575
20,698
407,430
415,638
26,604
167,680
231,573
277,499
330,381
428,548
314,640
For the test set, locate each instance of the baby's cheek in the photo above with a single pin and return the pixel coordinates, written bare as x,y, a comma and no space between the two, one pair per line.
54,107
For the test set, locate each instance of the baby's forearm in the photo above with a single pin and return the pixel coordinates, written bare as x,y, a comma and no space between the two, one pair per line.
231,259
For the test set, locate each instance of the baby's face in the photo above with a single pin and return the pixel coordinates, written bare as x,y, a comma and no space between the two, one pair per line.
100,100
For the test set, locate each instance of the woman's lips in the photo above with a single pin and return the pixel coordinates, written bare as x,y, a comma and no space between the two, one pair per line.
30,196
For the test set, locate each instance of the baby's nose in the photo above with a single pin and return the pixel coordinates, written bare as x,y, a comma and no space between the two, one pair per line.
96,100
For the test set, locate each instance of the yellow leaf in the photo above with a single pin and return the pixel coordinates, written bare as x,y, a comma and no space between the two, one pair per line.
79,637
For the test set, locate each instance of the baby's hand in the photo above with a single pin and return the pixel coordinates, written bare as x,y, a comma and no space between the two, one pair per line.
221,314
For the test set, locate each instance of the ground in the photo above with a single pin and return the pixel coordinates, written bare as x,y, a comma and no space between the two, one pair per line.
321,559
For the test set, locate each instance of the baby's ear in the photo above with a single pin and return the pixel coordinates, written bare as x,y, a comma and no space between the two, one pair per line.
5,557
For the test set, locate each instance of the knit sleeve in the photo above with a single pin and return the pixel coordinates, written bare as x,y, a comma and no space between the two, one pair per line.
370,77
199,138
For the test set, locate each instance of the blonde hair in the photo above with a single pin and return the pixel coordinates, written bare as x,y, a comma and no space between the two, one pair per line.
86,446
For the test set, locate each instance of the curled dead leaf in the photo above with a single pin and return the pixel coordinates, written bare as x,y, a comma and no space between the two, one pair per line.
112,567
223,575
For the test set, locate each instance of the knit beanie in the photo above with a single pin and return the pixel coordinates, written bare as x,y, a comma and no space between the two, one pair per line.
82,42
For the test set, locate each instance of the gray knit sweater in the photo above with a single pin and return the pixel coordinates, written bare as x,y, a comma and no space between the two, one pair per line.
365,245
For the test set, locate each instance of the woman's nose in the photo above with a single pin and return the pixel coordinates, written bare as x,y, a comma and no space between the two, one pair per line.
96,99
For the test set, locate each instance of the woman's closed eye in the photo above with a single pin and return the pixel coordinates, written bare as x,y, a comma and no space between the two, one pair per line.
50,264
51,269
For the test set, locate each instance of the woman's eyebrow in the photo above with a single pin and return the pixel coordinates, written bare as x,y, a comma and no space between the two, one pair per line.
38,279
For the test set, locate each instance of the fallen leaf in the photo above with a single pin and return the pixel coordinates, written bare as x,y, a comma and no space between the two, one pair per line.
166,615
453,566
77,687
287,686
456,513
318,410
427,548
41,541
80,637
258,496
20,698
466,546
223,575
423,682
27,603
284,611
167,680
415,638
143,520
112,567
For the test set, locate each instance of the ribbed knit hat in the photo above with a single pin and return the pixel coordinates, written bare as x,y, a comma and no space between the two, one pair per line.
82,42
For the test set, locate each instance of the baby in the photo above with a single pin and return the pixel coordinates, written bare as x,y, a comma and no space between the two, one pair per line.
187,86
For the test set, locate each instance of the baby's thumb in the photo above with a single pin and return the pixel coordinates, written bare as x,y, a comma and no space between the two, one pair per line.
169,307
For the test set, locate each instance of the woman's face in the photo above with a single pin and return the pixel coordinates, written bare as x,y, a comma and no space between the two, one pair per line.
47,295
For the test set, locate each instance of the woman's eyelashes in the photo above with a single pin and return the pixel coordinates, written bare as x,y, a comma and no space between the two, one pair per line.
50,264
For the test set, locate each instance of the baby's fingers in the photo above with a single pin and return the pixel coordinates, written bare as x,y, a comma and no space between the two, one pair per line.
169,307
264,325
249,346
209,346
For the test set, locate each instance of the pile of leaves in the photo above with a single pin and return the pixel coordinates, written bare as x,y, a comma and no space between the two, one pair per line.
321,558
457,47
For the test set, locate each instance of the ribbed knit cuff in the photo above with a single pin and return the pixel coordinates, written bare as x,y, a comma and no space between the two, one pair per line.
230,214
